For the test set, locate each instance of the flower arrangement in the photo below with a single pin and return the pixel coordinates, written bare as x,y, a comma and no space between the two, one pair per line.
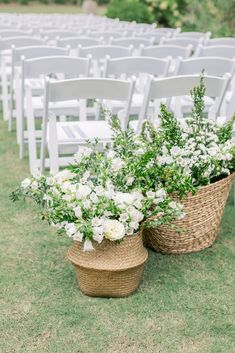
196,149
103,195
112,193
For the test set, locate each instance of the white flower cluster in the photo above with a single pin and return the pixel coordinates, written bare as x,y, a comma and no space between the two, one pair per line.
201,152
88,212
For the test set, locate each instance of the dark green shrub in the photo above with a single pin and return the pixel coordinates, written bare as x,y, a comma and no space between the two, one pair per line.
129,10
24,2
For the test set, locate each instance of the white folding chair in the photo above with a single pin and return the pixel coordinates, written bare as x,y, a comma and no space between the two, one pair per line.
15,88
78,132
74,42
32,104
133,42
163,51
5,72
178,86
7,33
106,35
54,34
213,66
206,36
140,67
223,51
98,54
166,31
183,42
221,41
156,37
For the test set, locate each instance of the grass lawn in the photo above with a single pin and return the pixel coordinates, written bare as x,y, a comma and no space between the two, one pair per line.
35,7
184,305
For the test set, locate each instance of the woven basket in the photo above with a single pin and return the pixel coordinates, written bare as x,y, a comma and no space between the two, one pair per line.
199,227
111,269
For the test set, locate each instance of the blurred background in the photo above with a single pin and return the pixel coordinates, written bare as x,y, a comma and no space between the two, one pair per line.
216,16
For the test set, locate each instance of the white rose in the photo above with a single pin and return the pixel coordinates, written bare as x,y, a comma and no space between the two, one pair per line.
78,212
86,204
82,152
175,151
99,190
124,217
67,197
25,183
50,180
150,194
161,193
122,198
136,215
83,191
130,181
34,185
78,236
96,222
113,229
116,164
94,198
64,175
70,229
111,154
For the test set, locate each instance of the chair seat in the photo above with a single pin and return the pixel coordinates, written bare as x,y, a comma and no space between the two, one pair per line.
67,107
81,131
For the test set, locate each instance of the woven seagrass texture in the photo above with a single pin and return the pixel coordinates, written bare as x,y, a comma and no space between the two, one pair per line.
111,269
199,227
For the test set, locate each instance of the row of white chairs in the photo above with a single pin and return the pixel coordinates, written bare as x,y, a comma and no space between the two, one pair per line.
29,88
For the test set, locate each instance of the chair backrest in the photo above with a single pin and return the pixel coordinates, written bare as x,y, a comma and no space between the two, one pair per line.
136,65
177,86
132,41
80,89
71,66
73,42
204,35
163,51
13,33
221,41
185,41
166,31
214,66
223,51
24,41
155,37
99,52
106,35
35,52
53,34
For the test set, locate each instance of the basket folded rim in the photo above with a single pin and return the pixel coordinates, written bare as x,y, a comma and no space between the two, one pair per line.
111,260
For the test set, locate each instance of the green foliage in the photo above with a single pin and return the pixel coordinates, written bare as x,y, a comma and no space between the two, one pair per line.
166,12
24,2
216,16
129,10
170,127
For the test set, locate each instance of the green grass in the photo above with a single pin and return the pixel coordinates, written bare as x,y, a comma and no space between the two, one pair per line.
185,304
36,7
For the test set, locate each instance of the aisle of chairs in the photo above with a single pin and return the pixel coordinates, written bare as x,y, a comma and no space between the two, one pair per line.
57,71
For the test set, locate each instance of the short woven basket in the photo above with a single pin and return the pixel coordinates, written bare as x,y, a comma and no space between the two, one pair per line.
111,269
199,227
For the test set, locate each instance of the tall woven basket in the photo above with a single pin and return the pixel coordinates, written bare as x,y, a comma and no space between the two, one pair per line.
199,227
111,269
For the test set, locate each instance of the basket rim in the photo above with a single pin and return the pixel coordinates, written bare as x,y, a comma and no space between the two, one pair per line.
102,266
110,269
204,188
